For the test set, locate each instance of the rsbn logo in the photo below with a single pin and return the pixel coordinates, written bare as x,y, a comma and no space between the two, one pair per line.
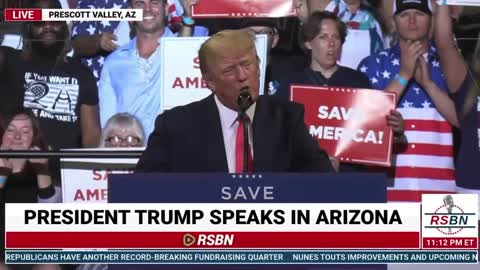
449,218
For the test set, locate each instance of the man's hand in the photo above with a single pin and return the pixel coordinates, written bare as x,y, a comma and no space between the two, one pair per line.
396,122
411,52
107,42
422,74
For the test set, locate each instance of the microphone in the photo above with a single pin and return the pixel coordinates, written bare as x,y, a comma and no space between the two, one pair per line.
244,100
448,202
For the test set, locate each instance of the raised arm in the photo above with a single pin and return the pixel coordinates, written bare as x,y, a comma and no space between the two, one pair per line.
86,39
187,30
452,62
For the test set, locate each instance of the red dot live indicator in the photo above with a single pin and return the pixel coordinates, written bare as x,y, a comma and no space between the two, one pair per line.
23,14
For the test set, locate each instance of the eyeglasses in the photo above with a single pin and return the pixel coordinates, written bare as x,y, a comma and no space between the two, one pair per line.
128,140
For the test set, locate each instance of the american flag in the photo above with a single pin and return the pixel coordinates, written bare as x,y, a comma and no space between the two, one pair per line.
427,167
90,28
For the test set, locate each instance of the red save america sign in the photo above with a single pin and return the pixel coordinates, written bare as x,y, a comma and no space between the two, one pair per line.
350,124
243,8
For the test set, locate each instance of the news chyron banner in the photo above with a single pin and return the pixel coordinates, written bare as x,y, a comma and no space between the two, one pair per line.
349,123
37,14
243,8
182,81
443,229
85,180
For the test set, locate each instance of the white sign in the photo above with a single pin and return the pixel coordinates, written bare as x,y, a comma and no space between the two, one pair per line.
182,81
92,14
85,180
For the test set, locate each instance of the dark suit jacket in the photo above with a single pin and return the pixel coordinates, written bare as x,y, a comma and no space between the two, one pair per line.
190,139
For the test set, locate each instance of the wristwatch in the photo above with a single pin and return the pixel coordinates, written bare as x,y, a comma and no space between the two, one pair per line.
188,21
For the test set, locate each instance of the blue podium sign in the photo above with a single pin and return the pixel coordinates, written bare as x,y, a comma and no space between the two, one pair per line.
253,188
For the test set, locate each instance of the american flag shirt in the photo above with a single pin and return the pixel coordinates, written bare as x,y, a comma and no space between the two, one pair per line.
427,166
90,28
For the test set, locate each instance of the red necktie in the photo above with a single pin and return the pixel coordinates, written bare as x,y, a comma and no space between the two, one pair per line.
239,149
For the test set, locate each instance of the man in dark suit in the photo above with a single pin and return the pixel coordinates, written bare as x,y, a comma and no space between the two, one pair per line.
206,136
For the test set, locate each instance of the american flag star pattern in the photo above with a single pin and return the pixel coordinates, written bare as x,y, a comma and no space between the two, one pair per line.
427,167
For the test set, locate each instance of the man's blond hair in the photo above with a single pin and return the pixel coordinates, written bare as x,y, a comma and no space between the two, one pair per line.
223,44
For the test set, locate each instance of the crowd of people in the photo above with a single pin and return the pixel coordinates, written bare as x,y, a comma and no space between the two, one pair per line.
107,93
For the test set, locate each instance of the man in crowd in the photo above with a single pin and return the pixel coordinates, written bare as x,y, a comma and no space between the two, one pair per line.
411,69
130,79
61,92
95,40
207,136
279,65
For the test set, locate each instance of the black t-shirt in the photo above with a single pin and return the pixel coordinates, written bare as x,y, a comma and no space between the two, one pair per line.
343,77
54,93
281,66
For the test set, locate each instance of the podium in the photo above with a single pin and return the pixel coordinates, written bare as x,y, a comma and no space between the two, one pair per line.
251,188
287,188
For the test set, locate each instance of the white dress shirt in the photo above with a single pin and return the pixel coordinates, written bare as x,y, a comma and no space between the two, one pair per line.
228,120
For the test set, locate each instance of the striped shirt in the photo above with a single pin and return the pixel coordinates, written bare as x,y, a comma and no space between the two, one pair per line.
427,167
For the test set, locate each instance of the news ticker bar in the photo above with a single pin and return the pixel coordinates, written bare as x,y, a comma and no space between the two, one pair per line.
37,14
242,257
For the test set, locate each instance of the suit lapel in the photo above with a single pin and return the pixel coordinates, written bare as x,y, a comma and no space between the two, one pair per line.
262,137
213,140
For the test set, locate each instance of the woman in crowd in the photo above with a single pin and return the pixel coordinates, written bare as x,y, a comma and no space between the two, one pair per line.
463,84
23,180
365,26
123,130
323,34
